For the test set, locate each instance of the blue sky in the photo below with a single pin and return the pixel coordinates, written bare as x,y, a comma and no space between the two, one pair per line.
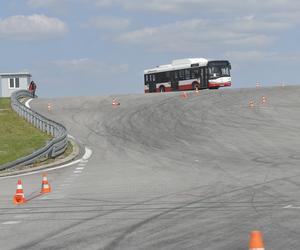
101,47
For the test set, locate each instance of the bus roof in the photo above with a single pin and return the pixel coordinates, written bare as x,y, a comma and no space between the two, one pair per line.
178,64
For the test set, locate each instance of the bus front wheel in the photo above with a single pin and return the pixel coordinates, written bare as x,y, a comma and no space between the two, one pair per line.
196,85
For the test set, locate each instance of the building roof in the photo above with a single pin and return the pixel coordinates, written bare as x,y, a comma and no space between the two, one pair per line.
15,74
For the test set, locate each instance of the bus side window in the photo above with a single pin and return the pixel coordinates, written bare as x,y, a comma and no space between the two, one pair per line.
158,77
187,74
176,75
153,78
146,78
181,74
161,77
195,73
168,76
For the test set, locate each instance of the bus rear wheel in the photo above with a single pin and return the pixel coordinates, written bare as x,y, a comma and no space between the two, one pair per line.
162,89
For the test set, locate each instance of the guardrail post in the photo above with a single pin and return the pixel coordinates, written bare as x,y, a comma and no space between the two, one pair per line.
54,147
48,128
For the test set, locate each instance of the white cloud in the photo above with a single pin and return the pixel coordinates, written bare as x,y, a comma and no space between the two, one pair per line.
197,34
197,6
43,3
90,66
262,56
252,55
107,23
265,24
223,24
104,3
31,27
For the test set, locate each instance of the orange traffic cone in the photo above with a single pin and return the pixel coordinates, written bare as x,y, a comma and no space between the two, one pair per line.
19,197
115,102
46,188
256,241
251,104
184,95
49,106
263,100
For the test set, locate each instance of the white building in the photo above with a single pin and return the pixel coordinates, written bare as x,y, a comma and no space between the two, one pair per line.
10,82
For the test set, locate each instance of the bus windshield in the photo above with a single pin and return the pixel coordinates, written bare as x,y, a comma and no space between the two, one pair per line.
219,69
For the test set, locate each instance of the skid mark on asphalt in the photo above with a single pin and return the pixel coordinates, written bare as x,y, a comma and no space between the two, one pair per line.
20,216
60,192
16,218
291,207
10,222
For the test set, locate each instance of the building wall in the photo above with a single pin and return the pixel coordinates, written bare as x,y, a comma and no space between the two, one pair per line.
5,82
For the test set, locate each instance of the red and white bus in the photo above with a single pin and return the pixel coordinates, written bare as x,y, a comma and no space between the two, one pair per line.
188,74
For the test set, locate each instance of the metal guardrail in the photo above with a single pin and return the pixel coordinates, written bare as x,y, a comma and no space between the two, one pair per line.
56,146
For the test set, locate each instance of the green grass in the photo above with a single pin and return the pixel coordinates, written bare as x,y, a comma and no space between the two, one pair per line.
17,137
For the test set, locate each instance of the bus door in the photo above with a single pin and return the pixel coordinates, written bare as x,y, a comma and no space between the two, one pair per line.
204,77
152,87
174,81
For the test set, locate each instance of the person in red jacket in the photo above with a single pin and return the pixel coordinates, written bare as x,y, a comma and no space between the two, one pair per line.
32,88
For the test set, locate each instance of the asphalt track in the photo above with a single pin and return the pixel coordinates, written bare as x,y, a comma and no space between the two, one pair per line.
167,173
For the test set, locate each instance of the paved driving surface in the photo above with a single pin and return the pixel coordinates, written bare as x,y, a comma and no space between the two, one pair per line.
167,173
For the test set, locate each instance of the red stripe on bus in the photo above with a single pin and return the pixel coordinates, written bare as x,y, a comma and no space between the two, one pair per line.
190,87
185,87
226,84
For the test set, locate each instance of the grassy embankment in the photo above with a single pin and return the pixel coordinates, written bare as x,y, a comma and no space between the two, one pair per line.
17,137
